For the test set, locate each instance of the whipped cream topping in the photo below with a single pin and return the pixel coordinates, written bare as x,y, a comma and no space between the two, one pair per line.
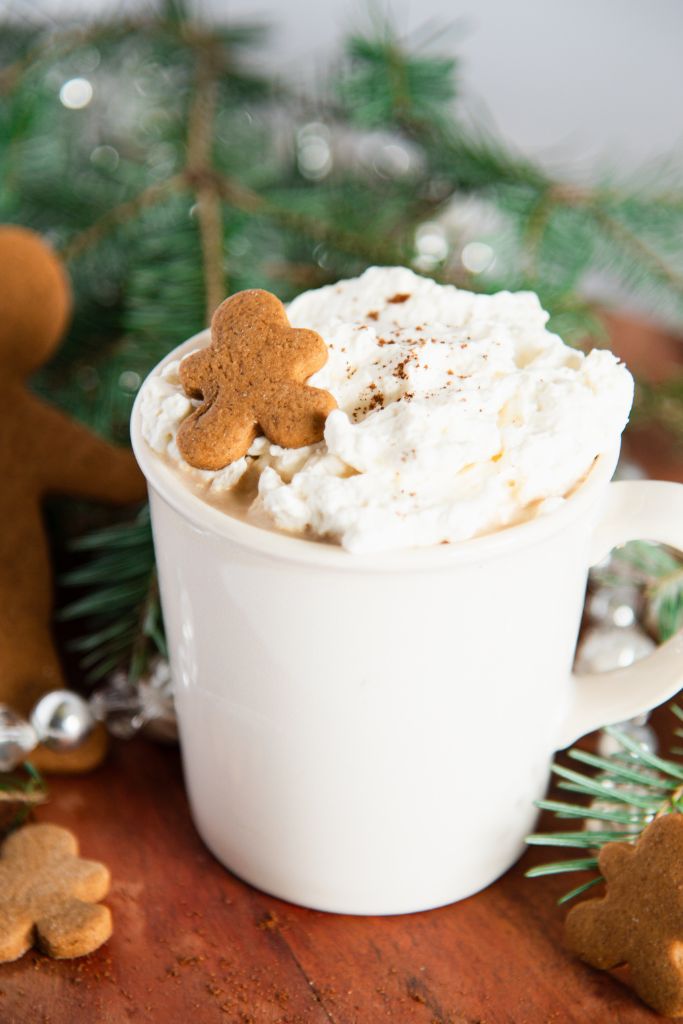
459,414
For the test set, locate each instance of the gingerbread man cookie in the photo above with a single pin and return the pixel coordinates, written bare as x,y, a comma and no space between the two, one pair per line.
640,920
49,895
251,380
42,451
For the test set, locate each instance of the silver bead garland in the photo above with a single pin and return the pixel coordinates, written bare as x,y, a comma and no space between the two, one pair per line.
62,719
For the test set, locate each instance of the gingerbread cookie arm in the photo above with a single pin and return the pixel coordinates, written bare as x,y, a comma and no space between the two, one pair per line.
301,352
193,372
613,858
296,417
86,879
79,463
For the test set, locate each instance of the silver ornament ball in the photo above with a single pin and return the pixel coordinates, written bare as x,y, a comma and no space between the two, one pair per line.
620,605
604,648
17,739
62,720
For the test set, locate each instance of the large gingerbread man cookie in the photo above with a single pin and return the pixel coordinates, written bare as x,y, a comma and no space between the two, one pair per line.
640,920
251,380
42,451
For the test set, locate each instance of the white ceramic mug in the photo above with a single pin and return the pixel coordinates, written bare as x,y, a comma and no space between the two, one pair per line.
366,734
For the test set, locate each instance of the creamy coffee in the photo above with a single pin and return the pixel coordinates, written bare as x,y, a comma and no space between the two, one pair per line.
459,414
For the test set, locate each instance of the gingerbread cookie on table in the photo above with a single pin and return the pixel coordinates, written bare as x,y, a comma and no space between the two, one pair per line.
42,451
251,380
639,922
49,896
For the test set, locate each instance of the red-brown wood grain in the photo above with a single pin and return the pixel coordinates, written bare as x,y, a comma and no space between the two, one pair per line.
194,945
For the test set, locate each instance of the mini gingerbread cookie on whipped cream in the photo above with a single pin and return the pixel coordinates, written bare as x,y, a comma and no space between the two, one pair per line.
456,415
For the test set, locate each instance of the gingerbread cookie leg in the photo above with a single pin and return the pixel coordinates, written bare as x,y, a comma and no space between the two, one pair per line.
29,666
215,435
658,980
73,929
16,933
593,936
87,756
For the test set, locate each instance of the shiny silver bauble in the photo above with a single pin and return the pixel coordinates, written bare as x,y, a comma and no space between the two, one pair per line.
62,719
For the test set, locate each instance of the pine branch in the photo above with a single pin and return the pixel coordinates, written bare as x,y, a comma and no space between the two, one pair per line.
641,251
54,46
122,213
199,173
20,792
359,245
385,84
120,608
629,790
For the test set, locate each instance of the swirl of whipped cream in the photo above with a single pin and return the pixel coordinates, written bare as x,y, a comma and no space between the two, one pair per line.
459,414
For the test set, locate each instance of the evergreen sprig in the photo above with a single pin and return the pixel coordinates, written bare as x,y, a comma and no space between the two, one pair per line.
20,792
628,790
120,600
384,83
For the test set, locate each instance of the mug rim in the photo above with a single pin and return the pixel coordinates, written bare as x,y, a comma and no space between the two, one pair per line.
168,485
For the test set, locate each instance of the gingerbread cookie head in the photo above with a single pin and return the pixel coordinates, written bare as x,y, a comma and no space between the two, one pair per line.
251,380
35,301
639,921
49,895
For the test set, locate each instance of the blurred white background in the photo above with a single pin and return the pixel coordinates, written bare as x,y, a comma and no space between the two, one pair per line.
577,83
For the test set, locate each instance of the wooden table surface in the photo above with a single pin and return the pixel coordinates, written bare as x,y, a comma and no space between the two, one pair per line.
194,944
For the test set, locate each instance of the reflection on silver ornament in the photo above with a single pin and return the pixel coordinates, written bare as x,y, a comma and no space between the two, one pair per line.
620,605
604,648
17,739
62,720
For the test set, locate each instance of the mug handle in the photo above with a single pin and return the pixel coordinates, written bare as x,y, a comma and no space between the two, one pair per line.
634,510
